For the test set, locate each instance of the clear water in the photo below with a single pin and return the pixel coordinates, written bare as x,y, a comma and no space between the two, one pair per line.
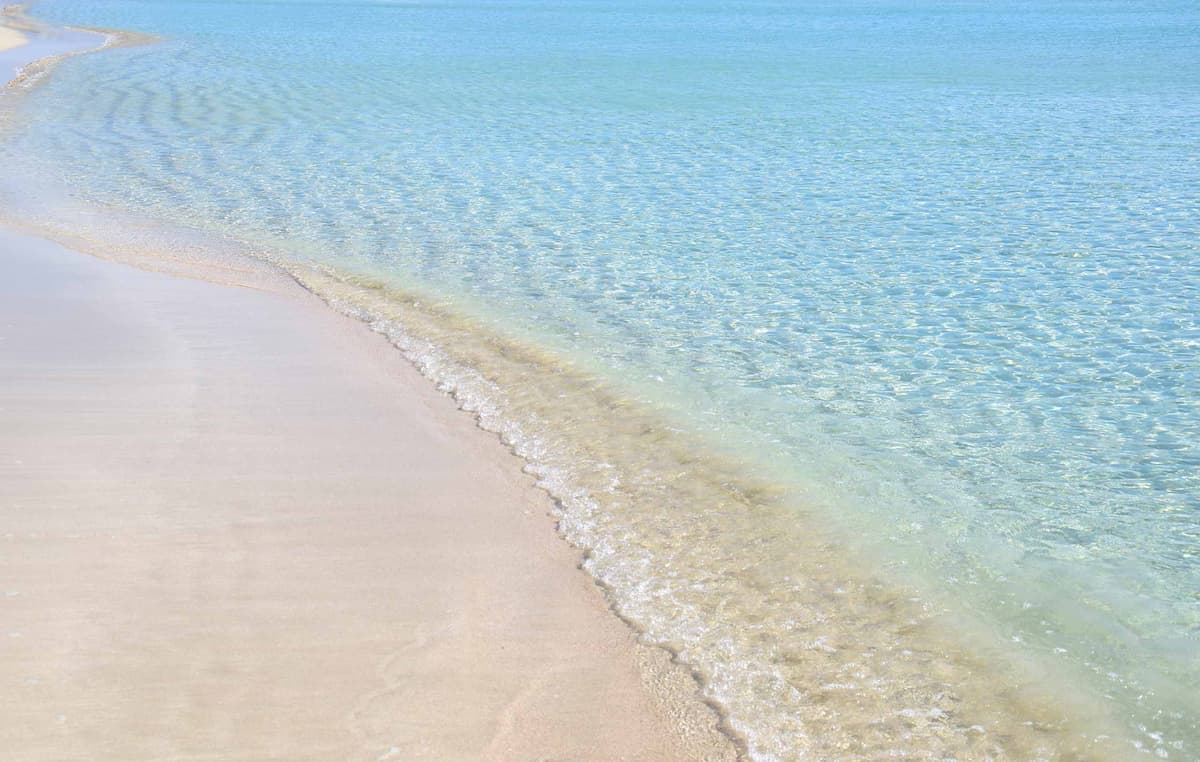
859,340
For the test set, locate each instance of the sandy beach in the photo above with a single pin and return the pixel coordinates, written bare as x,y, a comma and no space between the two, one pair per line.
239,526
10,38
576,381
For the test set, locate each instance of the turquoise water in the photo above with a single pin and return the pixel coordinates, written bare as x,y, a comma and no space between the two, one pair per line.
930,270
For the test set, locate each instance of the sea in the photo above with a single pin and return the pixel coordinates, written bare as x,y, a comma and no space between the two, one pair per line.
857,341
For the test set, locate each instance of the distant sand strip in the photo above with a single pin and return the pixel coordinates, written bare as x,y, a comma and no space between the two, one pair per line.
11,38
37,48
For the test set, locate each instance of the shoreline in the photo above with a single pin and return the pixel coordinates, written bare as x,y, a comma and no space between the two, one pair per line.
381,317
240,476
584,687
41,47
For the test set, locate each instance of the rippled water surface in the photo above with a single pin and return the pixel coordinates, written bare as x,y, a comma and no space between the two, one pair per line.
860,340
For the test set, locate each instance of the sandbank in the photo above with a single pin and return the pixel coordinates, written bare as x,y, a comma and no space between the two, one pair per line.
237,525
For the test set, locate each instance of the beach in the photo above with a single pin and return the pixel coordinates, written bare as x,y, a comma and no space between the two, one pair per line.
10,38
240,526
544,379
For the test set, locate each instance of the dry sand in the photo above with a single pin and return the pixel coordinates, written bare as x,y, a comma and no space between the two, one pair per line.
10,38
235,525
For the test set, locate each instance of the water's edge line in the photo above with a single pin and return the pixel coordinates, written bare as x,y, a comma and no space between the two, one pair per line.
724,720
38,70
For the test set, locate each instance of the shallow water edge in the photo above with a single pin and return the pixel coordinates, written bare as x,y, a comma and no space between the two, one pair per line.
758,595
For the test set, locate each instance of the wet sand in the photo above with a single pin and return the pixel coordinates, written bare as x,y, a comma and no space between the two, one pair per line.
237,525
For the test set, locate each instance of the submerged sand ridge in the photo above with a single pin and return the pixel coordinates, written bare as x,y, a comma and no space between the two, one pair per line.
240,526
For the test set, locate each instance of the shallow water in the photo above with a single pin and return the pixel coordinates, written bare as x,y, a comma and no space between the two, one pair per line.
859,341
